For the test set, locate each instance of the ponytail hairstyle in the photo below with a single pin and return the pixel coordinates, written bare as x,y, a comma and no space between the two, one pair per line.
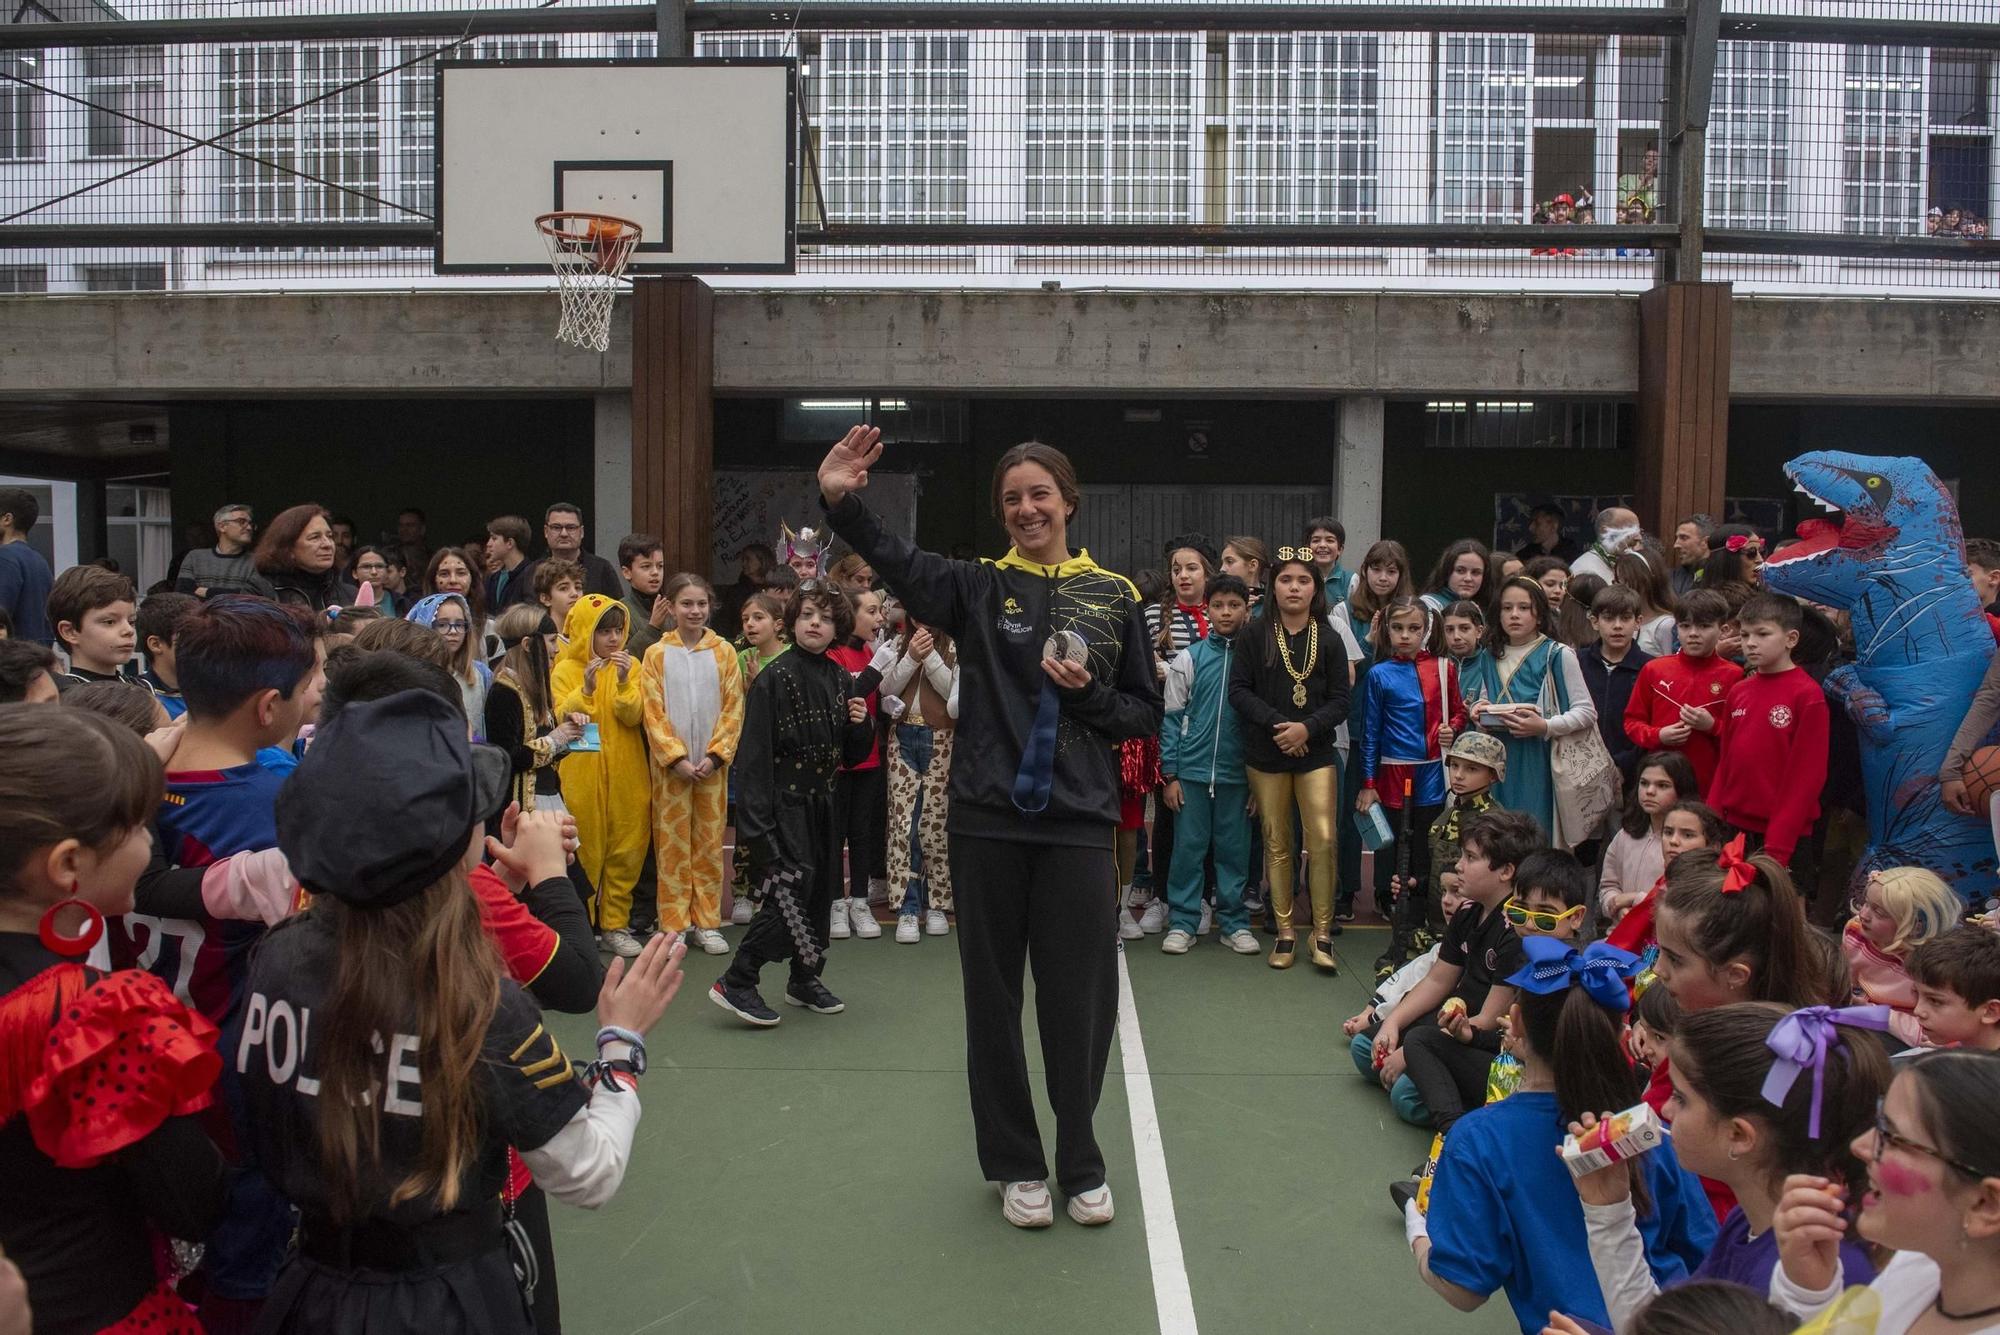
526,661
1745,908
1680,770
1253,551
424,966
1464,608
1273,620
1567,1025
1724,1056
1169,604
70,774
1401,602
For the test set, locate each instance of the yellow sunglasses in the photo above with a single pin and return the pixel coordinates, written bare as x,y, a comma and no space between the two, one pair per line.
1541,920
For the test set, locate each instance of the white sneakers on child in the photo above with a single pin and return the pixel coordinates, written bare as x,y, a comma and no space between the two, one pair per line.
1177,942
1154,920
1091,1208
620,942
1242,941
1027,1204
742,912
907,931
1207,919
863,919
1128,927
936,924
841,926
710,940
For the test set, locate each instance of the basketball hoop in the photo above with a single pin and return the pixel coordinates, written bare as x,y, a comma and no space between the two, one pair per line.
589,252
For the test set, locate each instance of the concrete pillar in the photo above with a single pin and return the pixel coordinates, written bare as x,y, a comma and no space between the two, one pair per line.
1357,483
611,457
673,417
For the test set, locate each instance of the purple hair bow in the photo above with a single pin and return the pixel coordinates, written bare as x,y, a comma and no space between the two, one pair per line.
1800,1042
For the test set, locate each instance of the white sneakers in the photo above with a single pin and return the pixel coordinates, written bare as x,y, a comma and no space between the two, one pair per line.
1091,1208
1128,927
1027,1204
743,911
1177,942
935,923
1242,941
841,926
1207,919
711,940
620,942
907,931
1154,920
863,919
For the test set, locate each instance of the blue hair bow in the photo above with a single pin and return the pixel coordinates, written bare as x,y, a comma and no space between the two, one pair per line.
1800,1043
1599,969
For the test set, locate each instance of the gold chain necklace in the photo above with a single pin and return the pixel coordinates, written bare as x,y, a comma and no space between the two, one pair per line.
1312,659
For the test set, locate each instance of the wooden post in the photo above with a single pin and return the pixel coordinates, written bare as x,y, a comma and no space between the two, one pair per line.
1683,458
673,417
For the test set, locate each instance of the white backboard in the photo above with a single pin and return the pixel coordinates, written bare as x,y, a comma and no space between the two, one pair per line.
699,153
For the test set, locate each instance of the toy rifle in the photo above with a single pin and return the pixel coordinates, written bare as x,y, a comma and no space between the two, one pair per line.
1403,839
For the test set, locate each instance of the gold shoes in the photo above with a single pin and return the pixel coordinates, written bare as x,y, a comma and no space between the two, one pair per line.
1284,953
1322,955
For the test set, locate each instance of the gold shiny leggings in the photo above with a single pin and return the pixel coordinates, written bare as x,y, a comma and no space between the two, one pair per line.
1314,795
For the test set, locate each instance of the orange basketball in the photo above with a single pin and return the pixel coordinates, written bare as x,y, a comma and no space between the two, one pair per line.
1982,776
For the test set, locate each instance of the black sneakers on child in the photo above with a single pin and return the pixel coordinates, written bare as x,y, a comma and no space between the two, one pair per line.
812,994
744,1003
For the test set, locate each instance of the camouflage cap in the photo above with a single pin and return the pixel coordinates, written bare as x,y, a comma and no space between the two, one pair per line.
1481,748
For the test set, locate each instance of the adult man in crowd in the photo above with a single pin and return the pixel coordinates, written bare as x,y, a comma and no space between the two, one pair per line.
562,529
343,542
412,530
1691,537
1617,531
1546,536
225,567
507,539
24,576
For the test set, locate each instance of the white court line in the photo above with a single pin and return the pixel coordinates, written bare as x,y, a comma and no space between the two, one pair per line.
1171,1298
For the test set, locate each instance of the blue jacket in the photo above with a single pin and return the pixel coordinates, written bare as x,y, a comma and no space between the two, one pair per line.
1201,740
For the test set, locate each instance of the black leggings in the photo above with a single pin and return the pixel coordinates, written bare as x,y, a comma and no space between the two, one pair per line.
1049,907
1450,1075
861,815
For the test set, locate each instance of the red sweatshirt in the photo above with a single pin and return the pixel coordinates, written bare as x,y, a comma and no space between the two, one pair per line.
1667,683
1773,758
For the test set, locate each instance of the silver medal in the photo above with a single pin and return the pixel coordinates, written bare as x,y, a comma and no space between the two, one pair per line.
1065,646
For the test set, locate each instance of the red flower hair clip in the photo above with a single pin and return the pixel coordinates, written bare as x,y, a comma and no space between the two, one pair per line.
1737,871
1736,542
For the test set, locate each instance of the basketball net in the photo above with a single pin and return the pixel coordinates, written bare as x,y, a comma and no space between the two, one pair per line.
589,252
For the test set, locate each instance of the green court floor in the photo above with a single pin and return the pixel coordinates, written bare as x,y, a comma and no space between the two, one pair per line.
820,1177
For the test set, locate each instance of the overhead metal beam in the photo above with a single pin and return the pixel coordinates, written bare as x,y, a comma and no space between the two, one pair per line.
64,236
1839,245
714,15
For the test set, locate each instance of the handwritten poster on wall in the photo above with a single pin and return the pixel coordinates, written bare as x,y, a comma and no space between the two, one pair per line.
750,505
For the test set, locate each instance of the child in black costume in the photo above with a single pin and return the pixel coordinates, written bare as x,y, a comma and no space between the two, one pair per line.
801,723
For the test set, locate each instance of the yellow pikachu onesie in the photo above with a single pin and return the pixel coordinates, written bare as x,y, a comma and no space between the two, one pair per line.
609,791
694,711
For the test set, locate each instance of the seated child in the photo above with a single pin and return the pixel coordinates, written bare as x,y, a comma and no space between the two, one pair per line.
1448,1061
1503,1213
1686,824
1958,989
1897,910
1478,949
1655,1018
1398,985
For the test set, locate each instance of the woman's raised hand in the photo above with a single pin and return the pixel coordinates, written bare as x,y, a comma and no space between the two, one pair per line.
846,465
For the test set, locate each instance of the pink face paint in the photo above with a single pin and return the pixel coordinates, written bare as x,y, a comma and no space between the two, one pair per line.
1899,1179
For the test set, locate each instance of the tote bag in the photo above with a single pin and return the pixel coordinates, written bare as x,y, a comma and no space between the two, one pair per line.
1586,779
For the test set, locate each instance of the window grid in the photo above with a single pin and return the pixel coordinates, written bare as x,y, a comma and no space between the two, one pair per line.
1750,137
1110,125
124,79
24,277
1882,140
416,132
895,124
1484,88
23,117
1304,128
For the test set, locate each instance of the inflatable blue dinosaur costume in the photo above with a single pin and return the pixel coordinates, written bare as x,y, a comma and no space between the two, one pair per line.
1894,558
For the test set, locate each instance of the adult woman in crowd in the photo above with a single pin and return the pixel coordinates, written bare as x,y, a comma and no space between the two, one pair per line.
295,560
1463,570
456,570
1055,669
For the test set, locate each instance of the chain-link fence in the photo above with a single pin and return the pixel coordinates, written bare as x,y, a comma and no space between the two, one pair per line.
1081,144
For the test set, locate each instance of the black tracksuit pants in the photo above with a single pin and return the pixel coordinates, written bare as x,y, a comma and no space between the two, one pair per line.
1051,908
794,917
